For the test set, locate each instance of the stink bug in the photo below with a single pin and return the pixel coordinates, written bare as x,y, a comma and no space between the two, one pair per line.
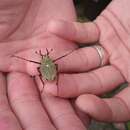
48,69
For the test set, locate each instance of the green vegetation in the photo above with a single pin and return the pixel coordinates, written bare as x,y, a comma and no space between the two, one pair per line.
128,126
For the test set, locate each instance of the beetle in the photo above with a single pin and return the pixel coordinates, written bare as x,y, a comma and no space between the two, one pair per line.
47,69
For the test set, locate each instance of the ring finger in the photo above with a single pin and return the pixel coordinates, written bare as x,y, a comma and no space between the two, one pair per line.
83,59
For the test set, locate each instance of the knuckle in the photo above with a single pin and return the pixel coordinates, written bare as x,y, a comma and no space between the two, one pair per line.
98,81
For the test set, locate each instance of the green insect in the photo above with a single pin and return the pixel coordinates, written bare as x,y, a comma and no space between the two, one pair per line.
48,69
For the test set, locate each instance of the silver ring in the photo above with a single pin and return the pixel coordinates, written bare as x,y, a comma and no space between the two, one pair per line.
101,53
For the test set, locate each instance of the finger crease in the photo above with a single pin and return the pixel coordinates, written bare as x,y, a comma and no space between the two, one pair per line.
96,77
84,57
76,84
63,115
26,98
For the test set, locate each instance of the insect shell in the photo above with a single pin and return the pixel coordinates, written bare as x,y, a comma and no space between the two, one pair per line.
48,68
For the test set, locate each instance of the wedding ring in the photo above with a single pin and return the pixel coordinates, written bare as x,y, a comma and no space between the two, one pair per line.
101,54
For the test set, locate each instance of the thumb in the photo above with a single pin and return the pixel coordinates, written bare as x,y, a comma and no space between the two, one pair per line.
75,31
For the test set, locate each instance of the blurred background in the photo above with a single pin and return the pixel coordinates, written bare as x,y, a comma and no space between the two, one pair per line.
88,10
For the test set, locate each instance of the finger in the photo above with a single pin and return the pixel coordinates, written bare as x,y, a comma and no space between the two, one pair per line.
60,111
83,116
25,101
79,32
124,98
62,114
116,109
94,106
96,82
81,60
8,121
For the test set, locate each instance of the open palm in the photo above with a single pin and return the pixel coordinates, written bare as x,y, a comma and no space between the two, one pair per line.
22,32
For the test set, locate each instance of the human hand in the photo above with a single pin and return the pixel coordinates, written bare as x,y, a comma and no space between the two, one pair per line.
23,27
21,107
23,38
25,18
112,30
24,32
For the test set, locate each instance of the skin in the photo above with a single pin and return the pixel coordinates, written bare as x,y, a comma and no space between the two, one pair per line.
111,29
23,26
20,37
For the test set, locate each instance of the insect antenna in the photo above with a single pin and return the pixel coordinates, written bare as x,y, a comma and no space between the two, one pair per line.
27,59
63,56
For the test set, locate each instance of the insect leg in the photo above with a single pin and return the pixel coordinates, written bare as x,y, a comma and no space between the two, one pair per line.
40,76
57,79
26,59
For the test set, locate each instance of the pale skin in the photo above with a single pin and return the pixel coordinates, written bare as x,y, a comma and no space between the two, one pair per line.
23,26
22,39
112,30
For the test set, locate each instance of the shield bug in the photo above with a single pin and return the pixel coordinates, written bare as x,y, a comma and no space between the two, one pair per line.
48,69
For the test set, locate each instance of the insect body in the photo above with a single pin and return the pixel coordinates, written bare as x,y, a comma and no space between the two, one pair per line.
48,69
